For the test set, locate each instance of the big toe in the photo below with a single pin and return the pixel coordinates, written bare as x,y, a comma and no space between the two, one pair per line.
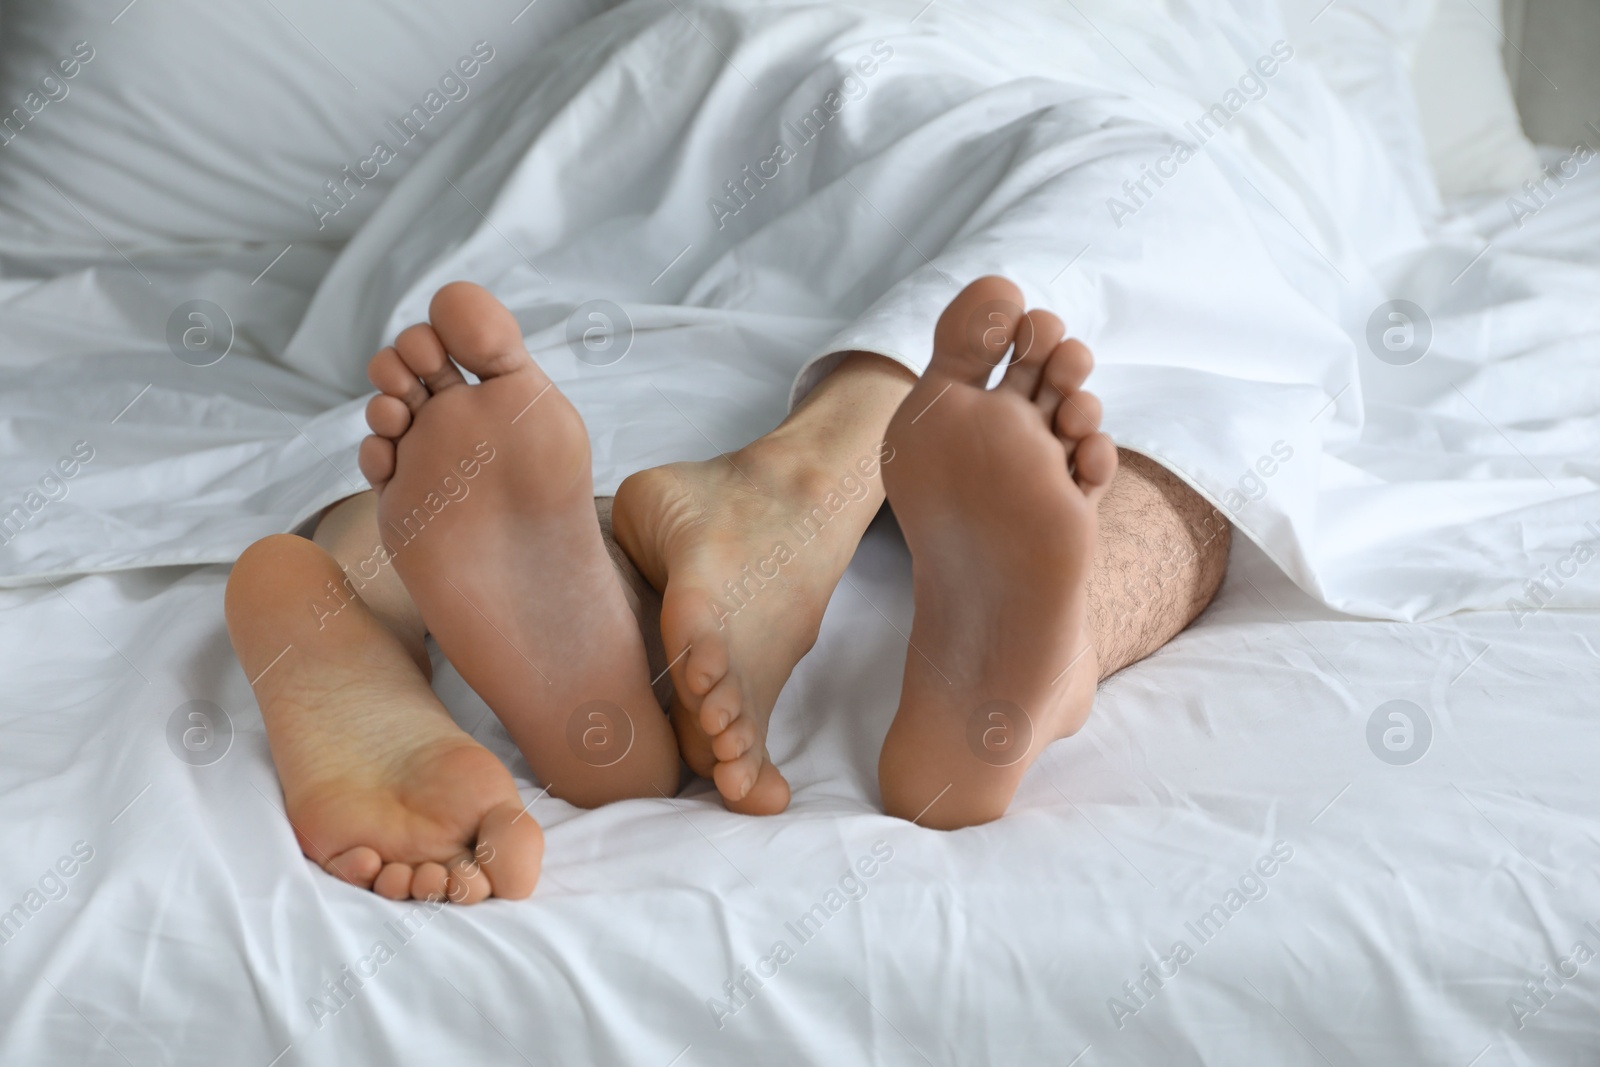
752,785
505,861
510,850
478,330
976,331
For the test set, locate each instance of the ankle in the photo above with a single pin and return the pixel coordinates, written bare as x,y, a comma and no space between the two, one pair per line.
807,469
833,442
853,404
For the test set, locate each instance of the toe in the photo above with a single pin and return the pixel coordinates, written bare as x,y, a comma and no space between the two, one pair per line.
1064,373
422,351
430,881
736,740
358,866
735,778
394,881
698,652
467,882
388,416
1078,416
706,664
767,795
1094,464
511,849
478,330
389,374
1037,337
376,460
695,646
976,331
721,706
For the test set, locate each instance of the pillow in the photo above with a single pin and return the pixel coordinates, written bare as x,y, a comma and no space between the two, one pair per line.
1469,117
180,121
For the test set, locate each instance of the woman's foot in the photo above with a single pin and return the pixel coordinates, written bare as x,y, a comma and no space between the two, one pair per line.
996,491
486,506
383,789
746,550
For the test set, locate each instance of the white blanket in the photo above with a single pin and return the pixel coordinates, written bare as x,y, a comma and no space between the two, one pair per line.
758,184
1425,911
1419,900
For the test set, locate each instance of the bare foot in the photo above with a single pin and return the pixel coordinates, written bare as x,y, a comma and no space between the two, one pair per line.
486,505
383,789
746,549
996,492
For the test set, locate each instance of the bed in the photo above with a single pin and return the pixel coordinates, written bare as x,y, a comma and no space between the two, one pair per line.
1295,835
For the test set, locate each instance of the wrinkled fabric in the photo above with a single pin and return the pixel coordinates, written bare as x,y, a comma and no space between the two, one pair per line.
750,187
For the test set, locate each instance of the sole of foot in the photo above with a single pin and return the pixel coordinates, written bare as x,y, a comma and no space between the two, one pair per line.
382,788
996,491
486,508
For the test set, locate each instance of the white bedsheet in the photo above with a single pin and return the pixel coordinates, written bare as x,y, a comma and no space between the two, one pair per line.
1416,899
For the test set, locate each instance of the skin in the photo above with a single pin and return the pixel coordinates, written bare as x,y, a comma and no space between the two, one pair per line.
486,506
381,787
997,493
693,527
387,793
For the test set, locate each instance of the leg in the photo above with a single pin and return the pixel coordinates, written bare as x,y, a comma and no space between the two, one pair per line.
1159,559
486,509
1023,601
382,788
746,550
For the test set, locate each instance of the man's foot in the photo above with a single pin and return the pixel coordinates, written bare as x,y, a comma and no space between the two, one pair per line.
746,549
382,788
486,505
996,492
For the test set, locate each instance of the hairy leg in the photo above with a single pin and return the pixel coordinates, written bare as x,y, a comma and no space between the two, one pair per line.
1159,560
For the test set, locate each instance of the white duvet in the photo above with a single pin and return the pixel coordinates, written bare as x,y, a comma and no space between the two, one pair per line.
756,185
1376,911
